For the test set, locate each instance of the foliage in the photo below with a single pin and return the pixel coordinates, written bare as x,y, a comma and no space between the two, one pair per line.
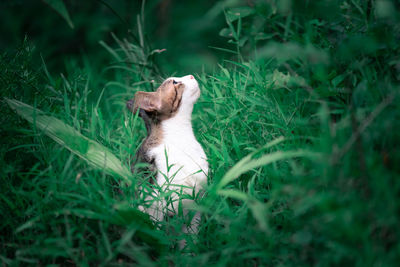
299,120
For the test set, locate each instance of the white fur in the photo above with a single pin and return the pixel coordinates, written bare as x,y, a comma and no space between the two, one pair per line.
186,158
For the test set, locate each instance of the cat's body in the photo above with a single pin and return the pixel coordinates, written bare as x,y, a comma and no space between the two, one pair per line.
171,145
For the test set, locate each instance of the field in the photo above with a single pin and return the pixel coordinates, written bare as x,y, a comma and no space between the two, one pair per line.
298,116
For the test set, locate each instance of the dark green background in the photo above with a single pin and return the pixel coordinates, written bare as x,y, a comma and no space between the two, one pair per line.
322,75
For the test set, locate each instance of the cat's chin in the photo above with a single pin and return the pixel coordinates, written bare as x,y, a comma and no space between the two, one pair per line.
195,95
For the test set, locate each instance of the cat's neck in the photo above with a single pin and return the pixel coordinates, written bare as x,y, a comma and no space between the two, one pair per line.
180,123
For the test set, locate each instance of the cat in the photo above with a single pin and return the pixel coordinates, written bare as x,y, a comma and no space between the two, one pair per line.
171,146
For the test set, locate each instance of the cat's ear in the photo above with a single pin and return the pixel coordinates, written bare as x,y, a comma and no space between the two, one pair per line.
148,101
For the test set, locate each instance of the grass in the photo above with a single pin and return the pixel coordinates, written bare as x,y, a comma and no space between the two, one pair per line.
300,133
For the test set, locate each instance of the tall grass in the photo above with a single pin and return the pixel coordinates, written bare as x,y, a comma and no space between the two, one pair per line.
299,124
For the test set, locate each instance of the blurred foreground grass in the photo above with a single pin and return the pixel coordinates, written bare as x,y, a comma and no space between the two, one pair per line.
299,122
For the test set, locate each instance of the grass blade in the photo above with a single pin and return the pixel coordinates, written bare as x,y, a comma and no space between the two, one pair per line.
94,153
247,163
59,6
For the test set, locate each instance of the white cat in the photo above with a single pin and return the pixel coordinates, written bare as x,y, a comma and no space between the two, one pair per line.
171,145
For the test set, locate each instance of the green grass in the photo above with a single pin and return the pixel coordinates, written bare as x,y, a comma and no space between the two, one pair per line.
299,123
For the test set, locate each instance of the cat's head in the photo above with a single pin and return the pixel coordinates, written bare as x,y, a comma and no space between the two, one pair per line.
175,94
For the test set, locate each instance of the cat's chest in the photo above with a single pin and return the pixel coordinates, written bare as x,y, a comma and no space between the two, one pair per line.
179,153
179,150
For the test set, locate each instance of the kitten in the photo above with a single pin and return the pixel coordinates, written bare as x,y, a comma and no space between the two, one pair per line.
167,114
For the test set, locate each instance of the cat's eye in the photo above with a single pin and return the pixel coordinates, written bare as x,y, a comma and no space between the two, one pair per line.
174,82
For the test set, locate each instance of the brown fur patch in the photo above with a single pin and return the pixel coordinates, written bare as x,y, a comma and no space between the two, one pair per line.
170,95
154,138
162,104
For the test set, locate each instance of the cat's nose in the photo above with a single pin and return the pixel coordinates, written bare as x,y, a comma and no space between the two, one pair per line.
191,77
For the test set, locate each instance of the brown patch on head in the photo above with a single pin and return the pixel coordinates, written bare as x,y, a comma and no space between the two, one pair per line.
162,103
170,93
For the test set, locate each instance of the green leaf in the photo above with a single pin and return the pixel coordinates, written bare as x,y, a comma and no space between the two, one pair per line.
94,153
264,36
59,6
238,12
231,193
225,32
146,231
259,211
225,71
223,49
338,79
27,224
248,163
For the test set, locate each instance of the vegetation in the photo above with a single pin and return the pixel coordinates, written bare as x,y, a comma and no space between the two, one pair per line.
298,116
